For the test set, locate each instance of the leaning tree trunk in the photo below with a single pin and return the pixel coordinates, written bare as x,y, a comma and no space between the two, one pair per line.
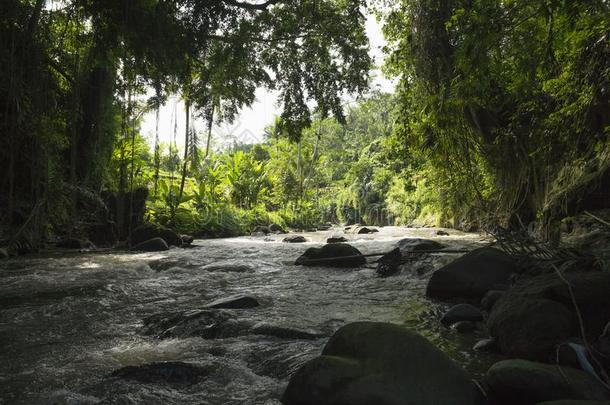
187,107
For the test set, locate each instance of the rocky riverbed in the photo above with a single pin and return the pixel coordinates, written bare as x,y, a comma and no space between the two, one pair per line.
235,321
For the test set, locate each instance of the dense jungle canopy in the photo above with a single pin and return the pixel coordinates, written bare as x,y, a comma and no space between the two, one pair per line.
500,117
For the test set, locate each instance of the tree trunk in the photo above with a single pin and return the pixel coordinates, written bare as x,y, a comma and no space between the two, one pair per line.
187,107
210,124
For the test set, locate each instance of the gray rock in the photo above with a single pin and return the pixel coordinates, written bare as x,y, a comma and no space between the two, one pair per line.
442,233
461,312
261,230
417,245
275,228
332,255
526,382
152,245
367,363
490,298
207,324
294,239
336,239
234,302
149,231
362,230
187,240
471,275
171,372
529,328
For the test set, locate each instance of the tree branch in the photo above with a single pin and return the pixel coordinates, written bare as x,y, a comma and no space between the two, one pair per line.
251,6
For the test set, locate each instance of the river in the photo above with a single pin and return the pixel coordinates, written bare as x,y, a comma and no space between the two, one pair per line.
68,320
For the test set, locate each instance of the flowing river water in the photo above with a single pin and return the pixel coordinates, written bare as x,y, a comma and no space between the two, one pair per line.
68,320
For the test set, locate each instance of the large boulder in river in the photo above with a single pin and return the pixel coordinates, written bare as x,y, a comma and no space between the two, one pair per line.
275,228
149,231
367,363
362,230
152,245
523,382
294,239
529,327
332,255
417,245
336,239
538,312
472,275
591,290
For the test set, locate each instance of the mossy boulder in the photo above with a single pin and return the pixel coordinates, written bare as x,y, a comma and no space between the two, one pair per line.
152,245
332,255
377,363
472,275
529,328
538,312
148,231
275,228
294,239
523,382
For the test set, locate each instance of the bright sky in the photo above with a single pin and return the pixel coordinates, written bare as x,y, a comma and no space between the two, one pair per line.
249,126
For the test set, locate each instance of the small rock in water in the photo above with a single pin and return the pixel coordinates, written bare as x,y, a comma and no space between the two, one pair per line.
206,323
152,245
461,312
187,240
283,332
363,230
148,231
442,233
294,239
332,255
275,228
336,239
234,302
464,326
389,264
172,372
418,245
485,345
261,231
